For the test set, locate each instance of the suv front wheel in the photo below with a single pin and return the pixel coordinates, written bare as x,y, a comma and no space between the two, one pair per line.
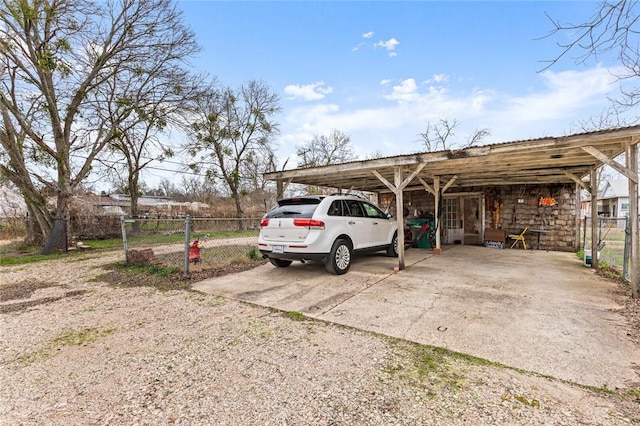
392,249
339,260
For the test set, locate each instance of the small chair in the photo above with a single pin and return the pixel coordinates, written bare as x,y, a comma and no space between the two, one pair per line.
519,238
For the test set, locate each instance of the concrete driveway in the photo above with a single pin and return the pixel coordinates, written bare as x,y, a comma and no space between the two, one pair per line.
539,311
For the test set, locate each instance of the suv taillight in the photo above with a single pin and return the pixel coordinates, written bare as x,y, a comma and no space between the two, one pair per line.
309,223
264,222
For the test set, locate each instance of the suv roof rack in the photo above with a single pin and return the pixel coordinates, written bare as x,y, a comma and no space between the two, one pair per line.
349,194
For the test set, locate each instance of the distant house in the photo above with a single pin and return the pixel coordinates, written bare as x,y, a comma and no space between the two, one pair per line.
148,206
613,199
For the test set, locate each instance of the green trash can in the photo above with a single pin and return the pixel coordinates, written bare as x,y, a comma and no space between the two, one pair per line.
424,241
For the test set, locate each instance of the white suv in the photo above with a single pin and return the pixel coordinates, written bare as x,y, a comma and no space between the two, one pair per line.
326,228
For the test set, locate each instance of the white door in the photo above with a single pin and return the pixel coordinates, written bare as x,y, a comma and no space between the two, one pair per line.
379,225
358,225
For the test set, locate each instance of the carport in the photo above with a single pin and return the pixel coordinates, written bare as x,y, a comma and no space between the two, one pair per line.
572,159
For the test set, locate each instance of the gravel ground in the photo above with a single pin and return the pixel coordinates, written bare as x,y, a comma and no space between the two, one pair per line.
74,350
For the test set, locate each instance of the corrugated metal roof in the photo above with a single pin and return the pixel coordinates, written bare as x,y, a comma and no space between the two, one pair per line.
544,160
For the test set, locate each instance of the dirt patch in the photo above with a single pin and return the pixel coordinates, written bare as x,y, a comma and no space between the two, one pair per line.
630,310
167,278
22,289
15,307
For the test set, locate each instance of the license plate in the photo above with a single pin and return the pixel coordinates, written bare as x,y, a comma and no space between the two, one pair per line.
277,249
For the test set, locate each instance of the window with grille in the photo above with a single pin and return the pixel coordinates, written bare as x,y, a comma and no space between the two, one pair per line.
450,213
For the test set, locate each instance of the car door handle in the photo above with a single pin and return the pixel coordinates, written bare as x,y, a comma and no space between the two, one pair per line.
351,222
375,223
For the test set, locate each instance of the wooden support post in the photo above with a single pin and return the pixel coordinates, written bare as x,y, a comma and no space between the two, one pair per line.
632,164
436,190
577,212
399,215
594,218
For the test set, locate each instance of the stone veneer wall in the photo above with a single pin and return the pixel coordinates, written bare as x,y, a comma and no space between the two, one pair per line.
559,220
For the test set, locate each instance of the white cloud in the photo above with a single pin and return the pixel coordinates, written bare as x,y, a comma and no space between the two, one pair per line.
438,78
567,92
389,45
406,91
308,92
393,122
367,35
385,82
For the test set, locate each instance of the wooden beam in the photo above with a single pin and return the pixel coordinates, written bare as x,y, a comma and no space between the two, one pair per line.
448,184
444,188
579,181
403,183
412,175
386,183
427,186
351,188
397,188
611,163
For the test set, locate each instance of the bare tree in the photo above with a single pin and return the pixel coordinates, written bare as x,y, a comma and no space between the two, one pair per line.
477,137
606,119
167,188
233,130
324,150
256,166
55,60
437,137
375,154
614,28
148,102
196,188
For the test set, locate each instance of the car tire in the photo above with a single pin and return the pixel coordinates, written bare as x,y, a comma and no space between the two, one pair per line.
392,250
339,260
280,263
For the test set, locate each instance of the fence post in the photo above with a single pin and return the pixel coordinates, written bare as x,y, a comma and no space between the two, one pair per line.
627,250
124,239
187,238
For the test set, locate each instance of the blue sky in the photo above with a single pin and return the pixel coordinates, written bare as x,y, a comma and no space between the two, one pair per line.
380,71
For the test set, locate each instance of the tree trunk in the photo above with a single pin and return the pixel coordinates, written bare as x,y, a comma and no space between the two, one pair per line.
133,193
239,212
39,224
58,239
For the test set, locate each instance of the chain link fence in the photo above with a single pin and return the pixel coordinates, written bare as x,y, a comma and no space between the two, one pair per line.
191,244
614,242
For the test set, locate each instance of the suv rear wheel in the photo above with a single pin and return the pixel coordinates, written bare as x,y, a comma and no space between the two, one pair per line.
339,260
280,263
